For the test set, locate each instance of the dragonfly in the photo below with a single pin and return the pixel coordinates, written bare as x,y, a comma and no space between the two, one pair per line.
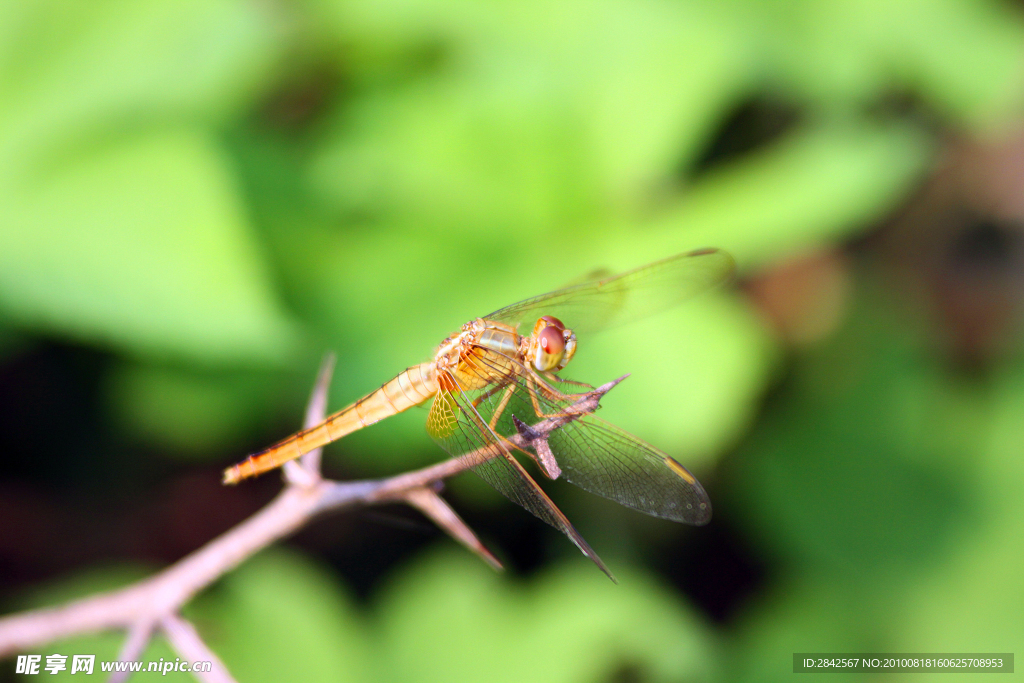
487,382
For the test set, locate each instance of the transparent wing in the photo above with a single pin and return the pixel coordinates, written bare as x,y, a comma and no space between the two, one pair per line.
463,432
630,471
628,296
594,455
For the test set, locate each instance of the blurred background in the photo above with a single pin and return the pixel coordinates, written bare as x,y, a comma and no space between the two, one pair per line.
199,198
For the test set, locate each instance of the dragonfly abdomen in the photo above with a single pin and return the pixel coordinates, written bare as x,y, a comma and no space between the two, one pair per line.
409,388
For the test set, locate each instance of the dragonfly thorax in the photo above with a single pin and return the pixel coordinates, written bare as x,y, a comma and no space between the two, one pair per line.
452,349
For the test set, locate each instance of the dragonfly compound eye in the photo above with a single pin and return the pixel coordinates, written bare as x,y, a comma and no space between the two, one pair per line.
546,321
553,321
550,348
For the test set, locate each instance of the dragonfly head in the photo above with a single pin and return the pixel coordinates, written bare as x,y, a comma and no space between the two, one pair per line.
554,345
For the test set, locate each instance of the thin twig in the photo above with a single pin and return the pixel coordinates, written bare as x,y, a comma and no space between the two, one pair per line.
134,645
432,505
185,640
306,471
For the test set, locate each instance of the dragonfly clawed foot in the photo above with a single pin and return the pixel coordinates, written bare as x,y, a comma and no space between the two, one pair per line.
545,459
553,378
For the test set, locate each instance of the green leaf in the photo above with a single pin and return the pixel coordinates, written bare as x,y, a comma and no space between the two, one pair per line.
142,244
190,413
120,222
541,120
280,617
965,600
74,70
962,58
571,624
815,614
862,465
823,185
976,592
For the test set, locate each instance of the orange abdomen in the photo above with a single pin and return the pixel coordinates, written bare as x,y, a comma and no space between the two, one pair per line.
410,388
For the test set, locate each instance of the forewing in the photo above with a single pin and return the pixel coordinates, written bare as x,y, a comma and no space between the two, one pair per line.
626,297
601,458
460,429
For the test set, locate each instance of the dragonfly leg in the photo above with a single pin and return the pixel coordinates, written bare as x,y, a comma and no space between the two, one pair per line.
552,377
532,385
544,458
502,404
499,411
487,394
549,391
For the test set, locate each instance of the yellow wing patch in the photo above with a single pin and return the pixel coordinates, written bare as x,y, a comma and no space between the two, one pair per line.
443,419
680,470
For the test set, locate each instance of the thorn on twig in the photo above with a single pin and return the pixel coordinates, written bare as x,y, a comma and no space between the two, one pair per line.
545,458
306,472
608,386
434,507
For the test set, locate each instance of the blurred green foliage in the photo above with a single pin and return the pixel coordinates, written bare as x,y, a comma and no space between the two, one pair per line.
216,192
446,617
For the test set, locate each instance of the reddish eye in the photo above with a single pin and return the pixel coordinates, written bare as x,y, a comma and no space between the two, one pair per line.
551,341
553,322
